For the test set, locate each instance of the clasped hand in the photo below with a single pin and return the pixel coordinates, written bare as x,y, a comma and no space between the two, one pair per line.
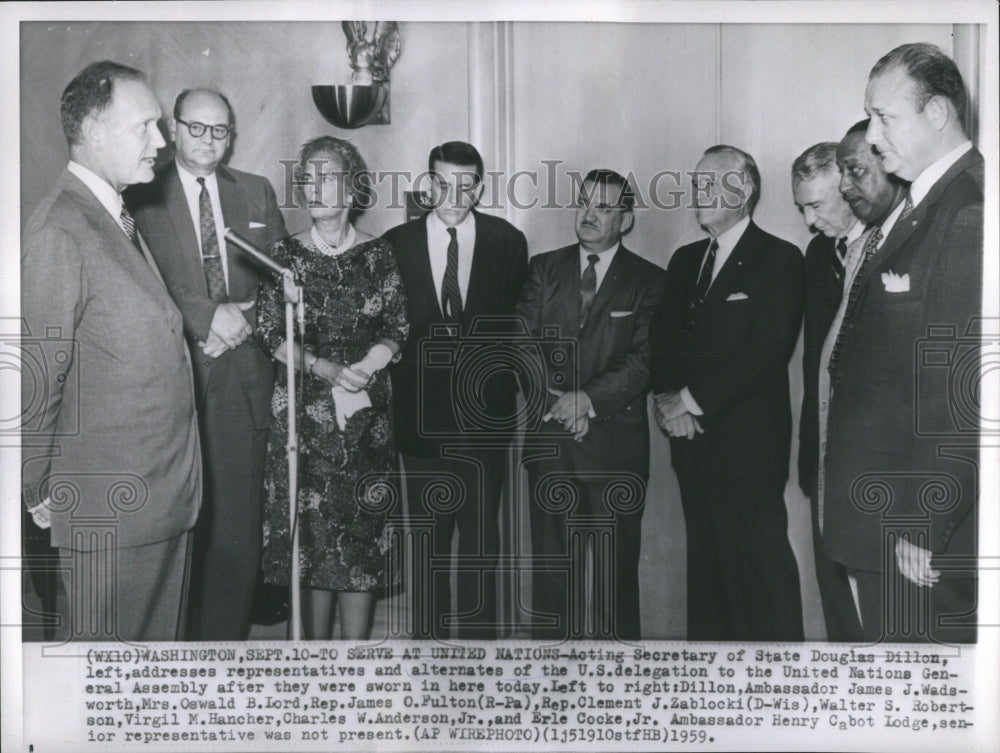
673,417
229,329
572,410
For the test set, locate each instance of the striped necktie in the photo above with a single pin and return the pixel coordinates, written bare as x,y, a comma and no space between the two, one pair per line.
211,258
451,294
588,287
701,287
128,225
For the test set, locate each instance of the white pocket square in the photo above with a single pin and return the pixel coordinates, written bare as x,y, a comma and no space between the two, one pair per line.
896,283
618,314
255,225
737,297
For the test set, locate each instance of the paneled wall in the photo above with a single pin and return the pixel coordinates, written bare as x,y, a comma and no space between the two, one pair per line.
545,97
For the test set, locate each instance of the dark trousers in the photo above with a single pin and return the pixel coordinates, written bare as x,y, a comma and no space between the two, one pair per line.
460,490
570,517
742,579
895,610
228,533
839,613
133,594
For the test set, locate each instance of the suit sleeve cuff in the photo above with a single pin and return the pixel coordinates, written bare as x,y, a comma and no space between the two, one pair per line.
689,402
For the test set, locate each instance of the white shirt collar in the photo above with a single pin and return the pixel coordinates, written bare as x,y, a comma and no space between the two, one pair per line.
102,190
923,183
855,232
888,222
727,241
438,227
190,181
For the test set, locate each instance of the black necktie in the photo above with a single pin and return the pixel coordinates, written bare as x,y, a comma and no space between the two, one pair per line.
451,294
588,287
211,259
701,287
846,325
838,259
128,224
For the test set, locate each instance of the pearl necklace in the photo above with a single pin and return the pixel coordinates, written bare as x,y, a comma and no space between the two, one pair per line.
326,249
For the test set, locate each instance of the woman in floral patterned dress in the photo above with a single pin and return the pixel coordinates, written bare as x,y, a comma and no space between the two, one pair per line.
355,325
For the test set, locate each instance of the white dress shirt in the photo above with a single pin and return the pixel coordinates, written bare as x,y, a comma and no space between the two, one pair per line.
727,242
192,192
438,239
923,183
110,199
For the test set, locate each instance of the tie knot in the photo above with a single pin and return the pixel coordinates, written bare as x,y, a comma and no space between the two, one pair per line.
201,182
452,232
593,259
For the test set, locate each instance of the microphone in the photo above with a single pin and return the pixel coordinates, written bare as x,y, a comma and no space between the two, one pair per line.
254,252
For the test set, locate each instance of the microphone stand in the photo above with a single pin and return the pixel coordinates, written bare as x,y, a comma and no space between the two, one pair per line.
293,310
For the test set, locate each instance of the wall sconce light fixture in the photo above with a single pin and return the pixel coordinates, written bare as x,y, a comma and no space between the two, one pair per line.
365,100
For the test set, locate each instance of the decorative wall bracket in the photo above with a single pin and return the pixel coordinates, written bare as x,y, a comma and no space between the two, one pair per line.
364,101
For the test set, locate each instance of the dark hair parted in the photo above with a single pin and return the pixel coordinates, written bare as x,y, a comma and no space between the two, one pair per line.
457,153
603,177
933,74
91,92
179,103
349,160
746,165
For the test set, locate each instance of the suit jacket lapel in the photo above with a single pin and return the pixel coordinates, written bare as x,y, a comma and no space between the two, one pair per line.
138,264
183,225
568,290
731,269
610,283
904,228
422,260
479,275
235,215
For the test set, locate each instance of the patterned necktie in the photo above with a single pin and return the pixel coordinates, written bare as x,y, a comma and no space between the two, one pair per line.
588,287
838,258
846,325
451,294
701,287
128,225
907,206
211,259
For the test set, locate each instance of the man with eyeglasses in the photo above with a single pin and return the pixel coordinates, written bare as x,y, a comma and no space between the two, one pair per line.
184,214
589,462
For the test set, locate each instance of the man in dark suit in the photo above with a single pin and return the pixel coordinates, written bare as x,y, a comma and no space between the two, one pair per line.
816,191
184,214
902,447
588,481
109,432
461,270
720,343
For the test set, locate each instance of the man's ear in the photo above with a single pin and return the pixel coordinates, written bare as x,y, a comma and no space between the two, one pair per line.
172,129
92,130
628,221
939,111
477,193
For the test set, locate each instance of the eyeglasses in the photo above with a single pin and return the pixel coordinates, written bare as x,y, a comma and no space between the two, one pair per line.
197,130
